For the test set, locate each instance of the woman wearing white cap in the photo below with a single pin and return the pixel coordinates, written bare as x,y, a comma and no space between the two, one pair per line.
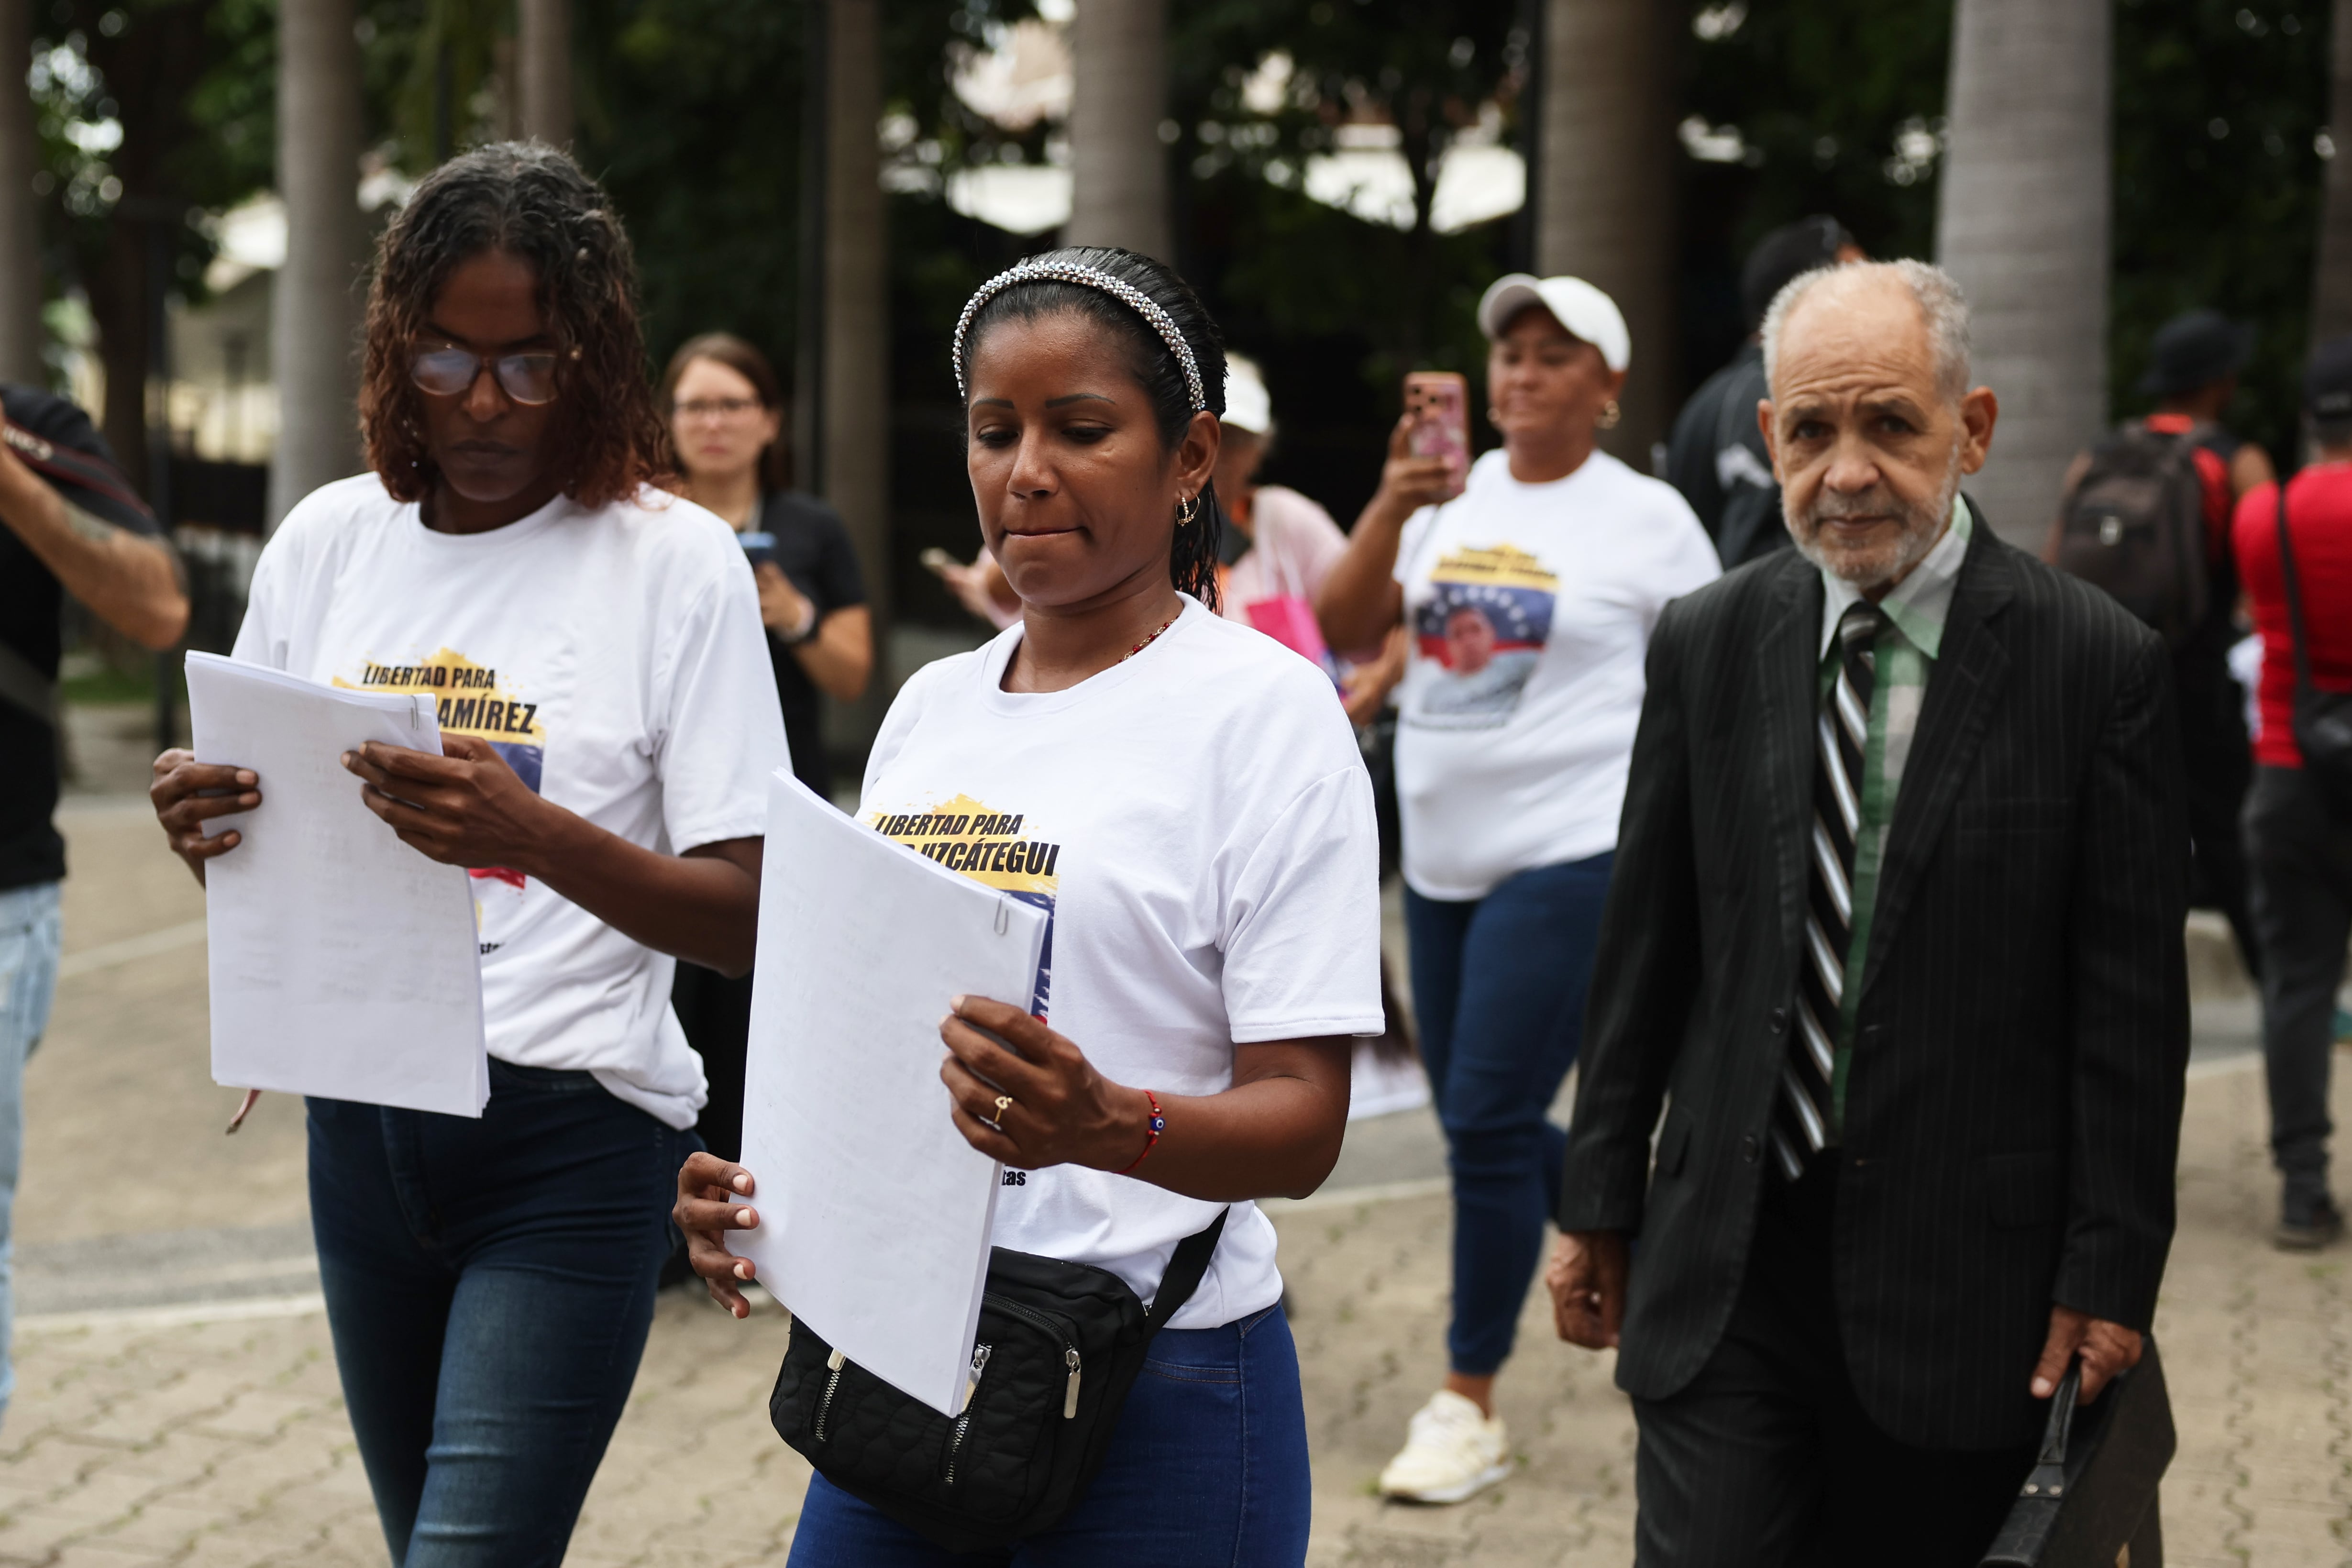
1530,596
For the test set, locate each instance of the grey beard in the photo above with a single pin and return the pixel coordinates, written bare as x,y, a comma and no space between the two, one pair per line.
1922,526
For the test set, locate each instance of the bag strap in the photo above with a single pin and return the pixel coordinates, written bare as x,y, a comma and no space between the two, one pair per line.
2302,681
1184,1274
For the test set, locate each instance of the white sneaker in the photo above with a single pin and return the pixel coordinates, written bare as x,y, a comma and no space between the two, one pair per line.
1451,1452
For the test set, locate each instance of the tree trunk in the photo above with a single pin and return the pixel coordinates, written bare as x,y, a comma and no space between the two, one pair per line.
315,307
1118,188
545,44
20,210
2022,219
855,423
118,303
1605,210
2331,291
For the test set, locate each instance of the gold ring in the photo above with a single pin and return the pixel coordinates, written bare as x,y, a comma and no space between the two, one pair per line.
1003,1103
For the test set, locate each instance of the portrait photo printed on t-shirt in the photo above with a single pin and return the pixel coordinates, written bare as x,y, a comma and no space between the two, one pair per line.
1483,627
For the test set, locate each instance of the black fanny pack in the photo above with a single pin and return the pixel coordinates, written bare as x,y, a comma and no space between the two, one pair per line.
1060,1344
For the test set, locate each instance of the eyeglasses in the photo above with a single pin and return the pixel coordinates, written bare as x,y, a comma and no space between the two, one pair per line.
446,371
717,407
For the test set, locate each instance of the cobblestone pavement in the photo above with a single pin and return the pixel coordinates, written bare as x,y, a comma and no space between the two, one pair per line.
213,1433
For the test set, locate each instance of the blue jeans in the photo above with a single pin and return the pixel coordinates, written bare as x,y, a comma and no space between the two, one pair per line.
489,1284
29,934
1498,987
1208,1467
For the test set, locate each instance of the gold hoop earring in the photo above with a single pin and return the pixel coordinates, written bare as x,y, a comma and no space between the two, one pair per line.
1186,510
1610,414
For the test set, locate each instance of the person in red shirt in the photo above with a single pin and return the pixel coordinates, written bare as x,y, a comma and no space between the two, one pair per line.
2299,853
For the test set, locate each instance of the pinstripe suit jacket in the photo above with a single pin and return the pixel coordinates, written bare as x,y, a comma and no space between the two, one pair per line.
2013,1106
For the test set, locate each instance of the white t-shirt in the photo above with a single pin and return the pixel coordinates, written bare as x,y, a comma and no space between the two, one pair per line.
1198,824
1293,544
614,657
1530,607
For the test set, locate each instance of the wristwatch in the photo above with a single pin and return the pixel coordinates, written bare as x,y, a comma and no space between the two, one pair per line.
801,633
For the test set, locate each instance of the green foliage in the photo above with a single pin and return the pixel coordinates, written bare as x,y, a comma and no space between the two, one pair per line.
2218,186
1826,98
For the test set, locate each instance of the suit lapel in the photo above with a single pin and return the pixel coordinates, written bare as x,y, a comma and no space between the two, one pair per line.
1962,691
1788,669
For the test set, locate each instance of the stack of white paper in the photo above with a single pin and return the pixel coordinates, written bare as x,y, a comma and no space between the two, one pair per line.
874,1212
344,963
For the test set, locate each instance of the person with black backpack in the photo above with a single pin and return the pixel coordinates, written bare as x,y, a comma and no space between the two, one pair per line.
2294,556
2146,516
69,523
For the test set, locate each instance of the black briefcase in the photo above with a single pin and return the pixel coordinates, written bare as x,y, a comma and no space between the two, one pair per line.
2090,1501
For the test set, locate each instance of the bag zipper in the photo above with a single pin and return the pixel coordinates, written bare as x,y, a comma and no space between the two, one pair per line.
1035,1319
825,1405
963,1422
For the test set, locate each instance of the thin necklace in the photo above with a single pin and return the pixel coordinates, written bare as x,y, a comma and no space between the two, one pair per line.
1147,642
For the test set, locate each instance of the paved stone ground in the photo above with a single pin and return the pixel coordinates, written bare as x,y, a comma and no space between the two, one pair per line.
145,1432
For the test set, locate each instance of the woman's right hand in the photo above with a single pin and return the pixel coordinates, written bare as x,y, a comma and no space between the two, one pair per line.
710,1194
1409,481
188,794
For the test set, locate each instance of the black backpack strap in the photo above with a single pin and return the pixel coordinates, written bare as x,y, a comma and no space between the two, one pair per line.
1184,1272
2296,638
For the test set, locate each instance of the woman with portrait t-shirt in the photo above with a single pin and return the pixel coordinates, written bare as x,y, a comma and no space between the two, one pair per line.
1530,596
1213,944
608,726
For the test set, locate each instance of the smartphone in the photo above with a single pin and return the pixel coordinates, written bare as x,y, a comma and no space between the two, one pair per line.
1439,403
757,546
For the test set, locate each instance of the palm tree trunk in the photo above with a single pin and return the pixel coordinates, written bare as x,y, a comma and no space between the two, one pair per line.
2331,292
1605,211
315,307
20,210
544,43
2022,219
1119,168
855,422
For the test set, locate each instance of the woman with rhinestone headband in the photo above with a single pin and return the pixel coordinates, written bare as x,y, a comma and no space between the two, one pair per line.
1185,798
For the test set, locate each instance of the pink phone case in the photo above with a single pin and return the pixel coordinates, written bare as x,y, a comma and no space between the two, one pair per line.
1439,400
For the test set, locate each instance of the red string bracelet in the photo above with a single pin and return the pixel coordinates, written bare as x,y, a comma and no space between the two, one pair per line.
1151,1137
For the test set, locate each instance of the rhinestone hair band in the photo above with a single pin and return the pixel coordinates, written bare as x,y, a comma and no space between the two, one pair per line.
1126,293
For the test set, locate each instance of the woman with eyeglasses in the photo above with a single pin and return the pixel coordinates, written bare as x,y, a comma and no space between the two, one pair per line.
726,419
609,723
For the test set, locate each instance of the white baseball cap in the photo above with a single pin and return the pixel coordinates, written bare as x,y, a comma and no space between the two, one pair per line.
1248,406
1584,310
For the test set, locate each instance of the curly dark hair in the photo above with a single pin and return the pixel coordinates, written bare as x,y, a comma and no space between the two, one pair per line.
1193,548
532,202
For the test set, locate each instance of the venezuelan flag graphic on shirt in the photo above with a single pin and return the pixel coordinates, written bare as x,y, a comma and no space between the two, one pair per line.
470,701
992,849
1483,627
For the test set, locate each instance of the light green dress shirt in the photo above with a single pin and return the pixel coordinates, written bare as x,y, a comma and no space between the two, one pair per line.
1905,654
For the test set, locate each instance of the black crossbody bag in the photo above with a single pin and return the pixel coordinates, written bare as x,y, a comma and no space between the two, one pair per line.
2323,719
1060,1344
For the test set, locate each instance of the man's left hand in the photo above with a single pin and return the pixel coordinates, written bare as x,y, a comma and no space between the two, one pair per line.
2106,1349
465,807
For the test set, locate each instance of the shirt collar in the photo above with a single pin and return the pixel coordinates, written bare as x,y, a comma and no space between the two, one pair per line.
1919,604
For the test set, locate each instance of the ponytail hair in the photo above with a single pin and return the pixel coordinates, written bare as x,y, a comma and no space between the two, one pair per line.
1153,359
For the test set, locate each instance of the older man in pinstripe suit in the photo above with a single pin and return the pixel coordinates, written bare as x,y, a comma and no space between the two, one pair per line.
1894,941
